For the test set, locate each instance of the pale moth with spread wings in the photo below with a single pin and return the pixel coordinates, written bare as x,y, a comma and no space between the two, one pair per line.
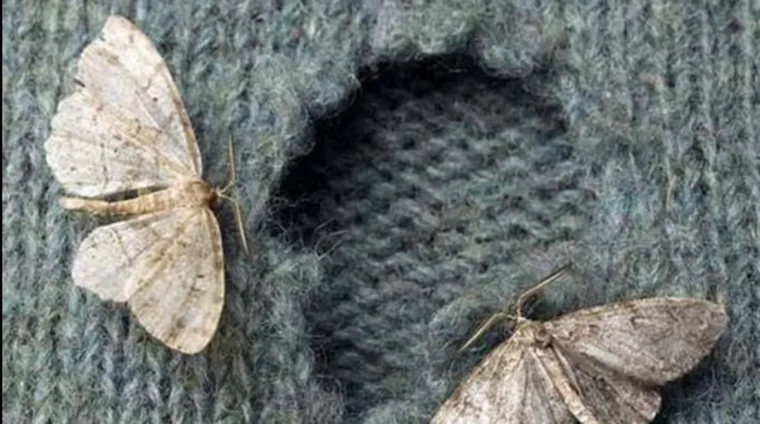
602,365
125,129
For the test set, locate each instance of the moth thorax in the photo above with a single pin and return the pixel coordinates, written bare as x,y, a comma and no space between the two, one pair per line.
534,334
198,193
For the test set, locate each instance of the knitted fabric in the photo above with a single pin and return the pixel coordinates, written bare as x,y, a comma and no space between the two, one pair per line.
406,168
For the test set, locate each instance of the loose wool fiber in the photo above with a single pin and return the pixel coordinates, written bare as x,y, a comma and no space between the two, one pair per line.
406,170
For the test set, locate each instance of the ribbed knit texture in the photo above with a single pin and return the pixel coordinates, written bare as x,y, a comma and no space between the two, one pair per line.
406,169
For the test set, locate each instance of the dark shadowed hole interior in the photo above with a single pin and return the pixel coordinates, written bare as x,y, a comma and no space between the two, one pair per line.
411,194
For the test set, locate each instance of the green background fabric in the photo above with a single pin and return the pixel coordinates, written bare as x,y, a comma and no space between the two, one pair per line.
407,168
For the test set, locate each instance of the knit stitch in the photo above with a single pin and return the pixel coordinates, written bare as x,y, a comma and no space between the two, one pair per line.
407,168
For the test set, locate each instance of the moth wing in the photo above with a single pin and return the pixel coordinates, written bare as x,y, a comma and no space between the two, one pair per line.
652,340
611,397
510,386
125,127
169,266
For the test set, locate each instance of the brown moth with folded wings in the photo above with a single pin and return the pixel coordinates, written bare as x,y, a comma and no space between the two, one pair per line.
125,128
602,365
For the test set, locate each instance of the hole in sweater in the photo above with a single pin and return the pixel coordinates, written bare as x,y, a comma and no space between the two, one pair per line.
436,173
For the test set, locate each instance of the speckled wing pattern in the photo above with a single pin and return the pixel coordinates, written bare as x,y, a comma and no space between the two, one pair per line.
599,365
510,386
168,266
125,128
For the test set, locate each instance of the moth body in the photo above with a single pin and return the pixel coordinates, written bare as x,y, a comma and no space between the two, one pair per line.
125,129
601,365
190,194
531,334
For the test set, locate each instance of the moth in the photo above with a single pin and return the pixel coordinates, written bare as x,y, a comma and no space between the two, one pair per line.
602,365
126,130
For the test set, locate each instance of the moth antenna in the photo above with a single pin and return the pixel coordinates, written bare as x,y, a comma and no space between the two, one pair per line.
501,316
232,180
540,285
231,174
493,320
239,220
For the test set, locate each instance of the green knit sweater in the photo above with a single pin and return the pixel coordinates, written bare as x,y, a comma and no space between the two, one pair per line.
406,169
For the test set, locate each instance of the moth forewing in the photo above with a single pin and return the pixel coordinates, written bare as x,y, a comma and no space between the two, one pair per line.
564,383
609,395
653,340
509,386
605,364
125,128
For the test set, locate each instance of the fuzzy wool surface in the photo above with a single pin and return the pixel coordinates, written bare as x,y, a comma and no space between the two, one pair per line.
406,168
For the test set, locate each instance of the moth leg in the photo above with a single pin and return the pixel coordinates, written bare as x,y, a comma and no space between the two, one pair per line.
232,180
